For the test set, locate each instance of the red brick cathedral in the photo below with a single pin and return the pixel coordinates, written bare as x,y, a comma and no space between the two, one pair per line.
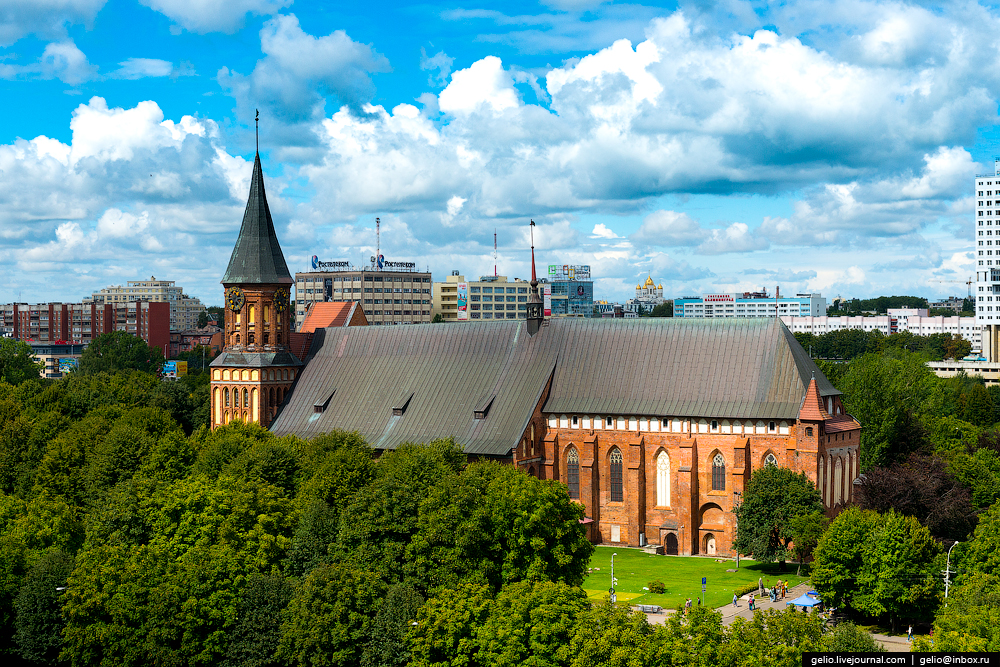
256,369
654,424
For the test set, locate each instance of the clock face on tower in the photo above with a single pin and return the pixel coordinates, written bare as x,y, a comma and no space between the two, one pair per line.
281,300
235,299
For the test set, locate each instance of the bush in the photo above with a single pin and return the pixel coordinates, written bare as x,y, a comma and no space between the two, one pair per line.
656,587
743,590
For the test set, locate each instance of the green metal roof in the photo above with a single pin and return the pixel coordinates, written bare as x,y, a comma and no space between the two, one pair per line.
257,257
657,367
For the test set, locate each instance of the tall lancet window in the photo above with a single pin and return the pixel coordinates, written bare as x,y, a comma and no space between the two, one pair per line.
573,473
718,473
663,480
616,461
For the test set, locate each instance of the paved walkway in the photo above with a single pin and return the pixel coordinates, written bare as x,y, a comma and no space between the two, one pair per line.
729,612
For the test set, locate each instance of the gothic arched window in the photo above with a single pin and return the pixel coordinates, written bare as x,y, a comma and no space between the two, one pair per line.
616,461
718,473
573,473
770,460
663,480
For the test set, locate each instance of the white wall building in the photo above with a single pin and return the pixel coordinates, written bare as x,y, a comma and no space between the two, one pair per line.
987,242
914,320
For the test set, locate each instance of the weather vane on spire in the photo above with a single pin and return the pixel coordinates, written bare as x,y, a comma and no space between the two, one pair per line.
256,128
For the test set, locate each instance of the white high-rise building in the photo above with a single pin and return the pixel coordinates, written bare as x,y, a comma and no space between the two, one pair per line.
987,249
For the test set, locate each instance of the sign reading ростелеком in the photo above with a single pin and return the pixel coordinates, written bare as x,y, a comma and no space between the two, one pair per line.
339,264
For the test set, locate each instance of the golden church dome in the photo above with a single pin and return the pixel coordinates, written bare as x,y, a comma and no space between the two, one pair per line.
649,281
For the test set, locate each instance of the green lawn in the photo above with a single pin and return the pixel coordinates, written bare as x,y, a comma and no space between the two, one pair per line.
681,575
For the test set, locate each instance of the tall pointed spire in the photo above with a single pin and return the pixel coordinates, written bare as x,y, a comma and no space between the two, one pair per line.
534,310
257,257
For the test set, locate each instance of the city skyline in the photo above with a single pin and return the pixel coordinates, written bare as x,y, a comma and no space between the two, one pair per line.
820,146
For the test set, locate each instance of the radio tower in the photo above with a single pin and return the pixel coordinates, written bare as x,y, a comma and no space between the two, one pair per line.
378,243
494,252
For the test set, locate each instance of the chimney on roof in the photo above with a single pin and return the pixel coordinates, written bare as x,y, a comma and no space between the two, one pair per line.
535,314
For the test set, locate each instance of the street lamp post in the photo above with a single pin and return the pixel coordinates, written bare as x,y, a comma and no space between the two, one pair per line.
947,571
613,582
736,506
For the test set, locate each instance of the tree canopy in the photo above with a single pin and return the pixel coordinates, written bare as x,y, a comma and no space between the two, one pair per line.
771,500
117,351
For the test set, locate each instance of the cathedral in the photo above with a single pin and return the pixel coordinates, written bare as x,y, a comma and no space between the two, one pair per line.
653,425
256,369
649,294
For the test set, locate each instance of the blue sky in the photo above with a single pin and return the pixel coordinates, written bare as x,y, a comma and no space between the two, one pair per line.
819,146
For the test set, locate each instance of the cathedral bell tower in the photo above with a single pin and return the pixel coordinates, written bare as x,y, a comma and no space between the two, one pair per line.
256,368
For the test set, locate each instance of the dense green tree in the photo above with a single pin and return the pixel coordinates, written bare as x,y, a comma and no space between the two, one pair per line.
120,350
980,472
28,531
378,524
849,638
388,645
445,634
665,309
805,531
970,621
203,319
884,566
922,487
39,624
982,553
531,623
772,498
837,559
329,618
497,525
256,631
17,362
899,573
609,635
160,575
771,637
883,392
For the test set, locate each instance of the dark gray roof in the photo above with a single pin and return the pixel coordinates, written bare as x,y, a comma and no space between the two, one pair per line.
257,257
256,359
443,373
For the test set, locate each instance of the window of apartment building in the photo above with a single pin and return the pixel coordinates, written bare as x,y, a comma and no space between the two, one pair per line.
616,460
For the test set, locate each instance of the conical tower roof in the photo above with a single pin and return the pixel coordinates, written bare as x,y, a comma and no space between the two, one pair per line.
257,257
812,404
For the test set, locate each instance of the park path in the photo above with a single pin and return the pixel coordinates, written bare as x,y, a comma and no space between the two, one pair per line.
729,612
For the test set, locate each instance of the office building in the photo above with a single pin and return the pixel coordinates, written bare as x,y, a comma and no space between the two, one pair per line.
569,291
489,298
395,294
184,310
987,248
750,304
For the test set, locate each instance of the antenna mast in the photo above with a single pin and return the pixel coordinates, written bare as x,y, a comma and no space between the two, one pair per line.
378,243
494,252
256,128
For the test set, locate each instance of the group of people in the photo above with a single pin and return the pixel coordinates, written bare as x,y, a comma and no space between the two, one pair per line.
776,592
687,605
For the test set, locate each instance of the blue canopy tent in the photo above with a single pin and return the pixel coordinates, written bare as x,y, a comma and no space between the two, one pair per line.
805,601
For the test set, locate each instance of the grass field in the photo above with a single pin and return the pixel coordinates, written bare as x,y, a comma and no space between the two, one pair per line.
680,574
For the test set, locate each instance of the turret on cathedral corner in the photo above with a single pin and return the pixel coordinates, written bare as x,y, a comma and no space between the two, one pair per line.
256,368
534,311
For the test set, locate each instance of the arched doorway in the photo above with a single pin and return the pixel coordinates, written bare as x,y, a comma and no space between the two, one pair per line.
708,544
671,544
